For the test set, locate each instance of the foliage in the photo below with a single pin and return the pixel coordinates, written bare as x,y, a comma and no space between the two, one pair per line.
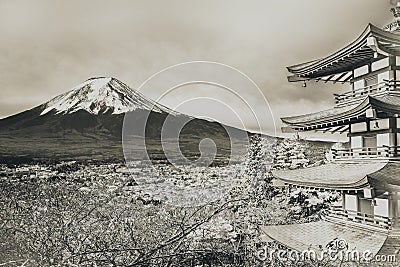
64,221
307,203
53,224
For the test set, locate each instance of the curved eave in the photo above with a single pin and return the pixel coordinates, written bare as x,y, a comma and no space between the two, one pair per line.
389,103
387,178
311,236
356,54
333,176
358,185
382,175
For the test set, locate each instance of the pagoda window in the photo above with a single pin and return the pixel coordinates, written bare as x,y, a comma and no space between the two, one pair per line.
356,142
383,76
369,141
361,71
397,60
358,127
359,84
369,193
380,64
383,140
381,207
376,125
351,202
398,121
365,206
397,75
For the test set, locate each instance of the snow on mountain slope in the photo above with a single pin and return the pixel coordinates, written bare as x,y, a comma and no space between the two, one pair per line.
101,95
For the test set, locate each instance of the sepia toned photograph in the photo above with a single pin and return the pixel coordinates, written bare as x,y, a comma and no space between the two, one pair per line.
200,133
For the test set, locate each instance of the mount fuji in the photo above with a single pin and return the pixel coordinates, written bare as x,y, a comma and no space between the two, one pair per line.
86,123
101,95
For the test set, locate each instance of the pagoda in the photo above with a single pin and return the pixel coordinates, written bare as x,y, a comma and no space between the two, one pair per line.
366,171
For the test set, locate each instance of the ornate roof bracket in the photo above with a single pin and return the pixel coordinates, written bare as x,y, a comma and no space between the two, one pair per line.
372,43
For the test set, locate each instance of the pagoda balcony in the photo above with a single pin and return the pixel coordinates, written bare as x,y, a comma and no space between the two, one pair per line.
354,96
383,152
337,212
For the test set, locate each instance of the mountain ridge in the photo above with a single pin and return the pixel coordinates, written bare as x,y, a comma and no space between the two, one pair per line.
87,122
101,94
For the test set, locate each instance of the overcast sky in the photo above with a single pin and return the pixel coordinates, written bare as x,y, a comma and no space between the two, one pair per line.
49,46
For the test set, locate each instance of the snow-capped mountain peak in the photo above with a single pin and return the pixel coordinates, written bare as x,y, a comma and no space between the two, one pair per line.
101,95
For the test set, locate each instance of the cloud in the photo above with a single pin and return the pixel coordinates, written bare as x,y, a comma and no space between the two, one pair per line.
49,46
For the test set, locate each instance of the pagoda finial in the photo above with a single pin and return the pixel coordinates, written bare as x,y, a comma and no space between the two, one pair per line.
395,25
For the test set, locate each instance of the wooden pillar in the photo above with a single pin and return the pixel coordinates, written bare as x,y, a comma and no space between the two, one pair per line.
392,64
343,200
394,209
350,136
393,134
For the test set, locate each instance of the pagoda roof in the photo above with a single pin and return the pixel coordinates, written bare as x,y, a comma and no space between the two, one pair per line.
335,176
313,235
338,116
346,175
388,178
372,45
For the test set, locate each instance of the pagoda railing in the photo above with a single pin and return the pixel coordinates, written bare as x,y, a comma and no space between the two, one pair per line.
373,89
360,217
366,152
